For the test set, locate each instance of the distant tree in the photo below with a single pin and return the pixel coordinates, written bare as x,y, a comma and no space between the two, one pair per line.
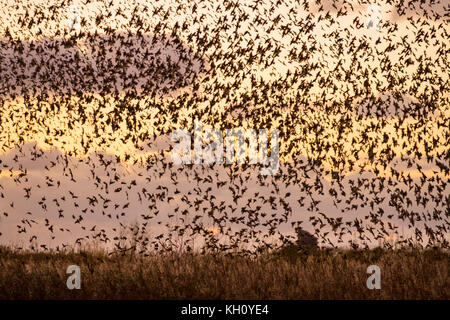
306,239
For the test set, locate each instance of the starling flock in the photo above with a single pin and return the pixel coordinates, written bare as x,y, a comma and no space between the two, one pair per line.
86,115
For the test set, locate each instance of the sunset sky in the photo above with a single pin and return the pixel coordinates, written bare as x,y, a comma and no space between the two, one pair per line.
326,81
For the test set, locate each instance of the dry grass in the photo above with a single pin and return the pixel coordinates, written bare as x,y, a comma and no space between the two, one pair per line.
405,274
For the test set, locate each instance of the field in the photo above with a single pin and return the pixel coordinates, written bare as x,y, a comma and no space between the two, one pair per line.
286,274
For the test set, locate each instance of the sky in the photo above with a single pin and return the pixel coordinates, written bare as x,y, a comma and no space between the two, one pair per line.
326,80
